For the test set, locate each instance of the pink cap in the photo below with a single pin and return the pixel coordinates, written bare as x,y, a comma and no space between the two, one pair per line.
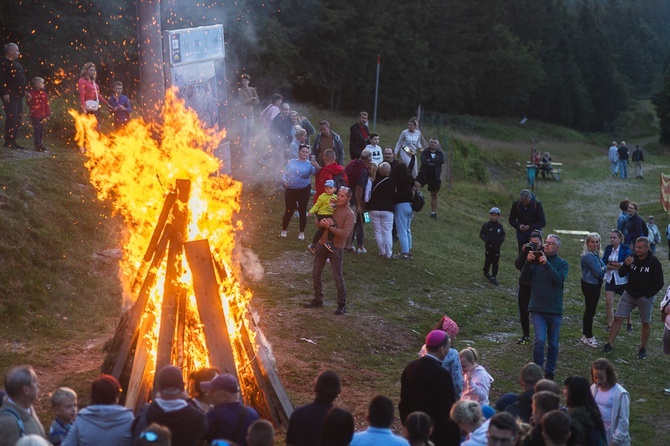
449,327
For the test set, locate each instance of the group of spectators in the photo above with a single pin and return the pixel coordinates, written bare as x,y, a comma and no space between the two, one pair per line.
443,400
14,89
373,187
212,414
619,159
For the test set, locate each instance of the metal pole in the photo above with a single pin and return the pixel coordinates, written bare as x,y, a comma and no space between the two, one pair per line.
374,120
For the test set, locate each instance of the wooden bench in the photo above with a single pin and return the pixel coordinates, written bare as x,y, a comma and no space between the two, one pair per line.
554,174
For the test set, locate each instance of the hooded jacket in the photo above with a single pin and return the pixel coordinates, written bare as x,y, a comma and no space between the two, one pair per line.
101,425
478,437
328,172
618,433
187,423
531,214
476,385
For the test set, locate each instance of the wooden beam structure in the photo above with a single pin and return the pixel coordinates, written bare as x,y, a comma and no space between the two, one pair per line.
259,383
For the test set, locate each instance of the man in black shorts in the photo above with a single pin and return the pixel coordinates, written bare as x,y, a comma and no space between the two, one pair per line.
431,169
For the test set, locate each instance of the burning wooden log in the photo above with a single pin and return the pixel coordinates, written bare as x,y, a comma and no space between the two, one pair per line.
242,354
172,275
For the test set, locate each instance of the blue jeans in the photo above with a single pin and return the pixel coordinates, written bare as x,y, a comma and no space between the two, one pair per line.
403,220
623,169
547,327
615,167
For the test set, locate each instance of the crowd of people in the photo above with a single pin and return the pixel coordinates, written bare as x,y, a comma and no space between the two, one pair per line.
444,394
14,89
434,409
379,185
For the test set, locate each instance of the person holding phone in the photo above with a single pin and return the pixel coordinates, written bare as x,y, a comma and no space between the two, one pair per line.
546,280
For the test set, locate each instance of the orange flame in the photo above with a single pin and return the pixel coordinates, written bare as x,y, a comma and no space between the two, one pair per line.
133,168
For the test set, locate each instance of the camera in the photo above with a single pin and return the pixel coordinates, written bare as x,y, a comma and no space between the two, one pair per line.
529,247
537,255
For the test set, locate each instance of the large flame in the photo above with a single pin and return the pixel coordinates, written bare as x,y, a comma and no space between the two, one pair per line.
134,168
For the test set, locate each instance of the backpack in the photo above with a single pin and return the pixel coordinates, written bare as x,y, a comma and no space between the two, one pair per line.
418,201
19,421
339,181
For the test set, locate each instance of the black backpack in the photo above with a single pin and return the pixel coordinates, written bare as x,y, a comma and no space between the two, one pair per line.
339,182
417,201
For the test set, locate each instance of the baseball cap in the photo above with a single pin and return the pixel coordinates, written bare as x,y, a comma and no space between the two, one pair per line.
494,210
435,338
226,382
170,379
330,183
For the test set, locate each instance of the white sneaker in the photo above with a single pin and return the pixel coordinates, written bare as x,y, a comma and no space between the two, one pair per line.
361,250
591,342
283,234
667,391
301,236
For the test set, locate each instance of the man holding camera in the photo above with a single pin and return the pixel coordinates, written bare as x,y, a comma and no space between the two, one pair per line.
546,273
523,295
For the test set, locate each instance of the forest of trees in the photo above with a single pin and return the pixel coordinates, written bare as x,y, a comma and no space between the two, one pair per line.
578,63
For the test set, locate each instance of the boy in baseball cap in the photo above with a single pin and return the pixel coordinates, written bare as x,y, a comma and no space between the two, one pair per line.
493,235
324,208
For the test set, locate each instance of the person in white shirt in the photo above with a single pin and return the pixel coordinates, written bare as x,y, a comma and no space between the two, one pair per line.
377,156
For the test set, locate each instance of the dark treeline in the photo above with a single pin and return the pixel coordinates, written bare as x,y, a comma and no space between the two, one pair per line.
577,63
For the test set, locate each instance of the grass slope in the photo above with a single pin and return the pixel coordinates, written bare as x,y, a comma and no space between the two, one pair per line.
53,296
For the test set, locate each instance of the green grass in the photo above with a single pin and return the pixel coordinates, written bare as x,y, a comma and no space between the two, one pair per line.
52,225
53,296
393,304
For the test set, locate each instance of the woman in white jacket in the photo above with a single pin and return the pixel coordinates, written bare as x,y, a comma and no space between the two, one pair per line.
612,400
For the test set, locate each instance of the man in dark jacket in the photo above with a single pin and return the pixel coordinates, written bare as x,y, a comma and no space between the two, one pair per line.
173,409
357,174
12,90
526,216
327,139
531,373
426,386
359,135
645,279
228,419
306,422
431,172
623,160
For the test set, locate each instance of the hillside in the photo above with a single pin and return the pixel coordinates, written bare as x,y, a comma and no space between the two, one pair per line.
59,300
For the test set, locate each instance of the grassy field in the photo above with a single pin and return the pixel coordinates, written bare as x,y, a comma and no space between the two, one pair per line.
58,296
